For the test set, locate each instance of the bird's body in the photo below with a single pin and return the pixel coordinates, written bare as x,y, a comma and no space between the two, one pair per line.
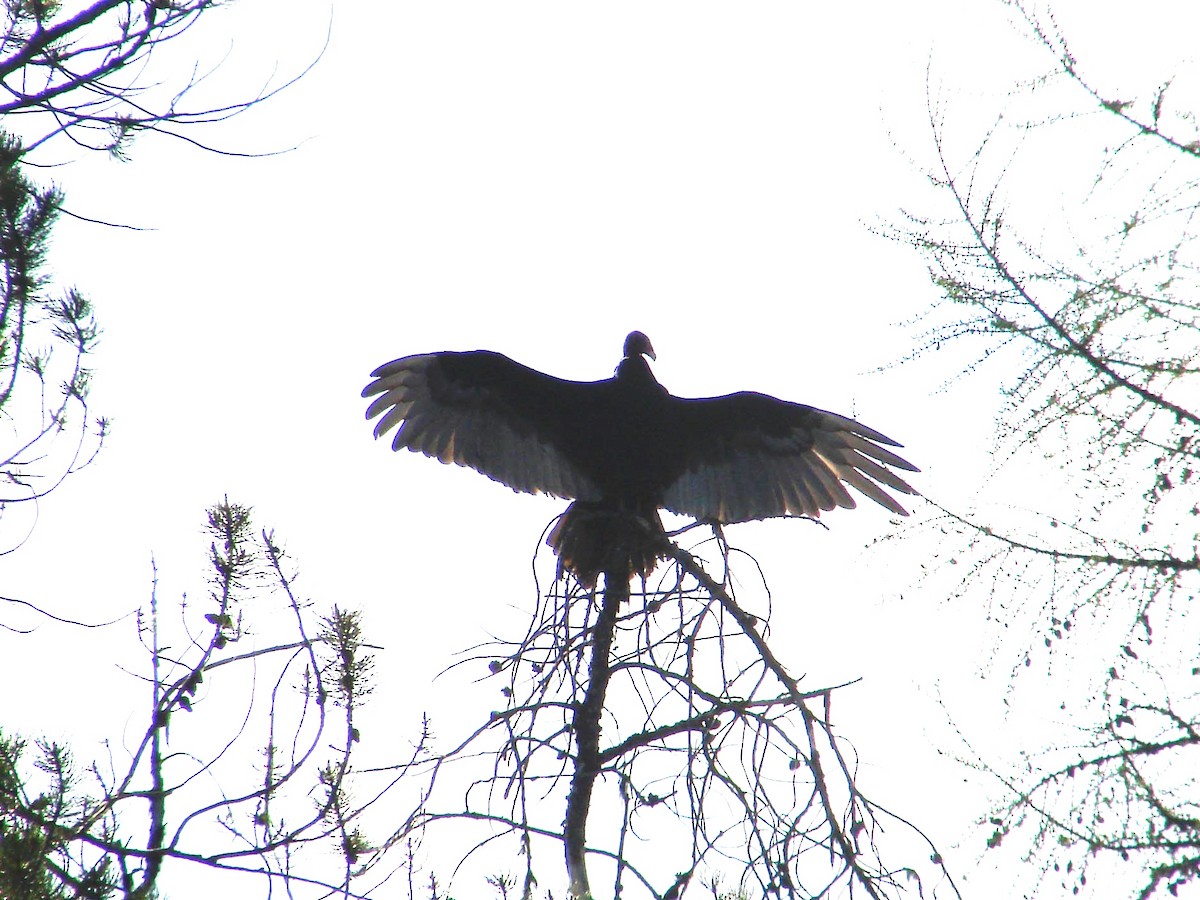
624,447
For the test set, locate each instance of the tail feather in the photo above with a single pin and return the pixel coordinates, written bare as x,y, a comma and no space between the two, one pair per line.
590,538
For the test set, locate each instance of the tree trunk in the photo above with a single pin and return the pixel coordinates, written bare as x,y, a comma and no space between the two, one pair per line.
587,734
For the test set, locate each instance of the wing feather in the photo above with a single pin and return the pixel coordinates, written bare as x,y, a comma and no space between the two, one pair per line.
829,479
484,411
868,448
801,494
750,456
879,473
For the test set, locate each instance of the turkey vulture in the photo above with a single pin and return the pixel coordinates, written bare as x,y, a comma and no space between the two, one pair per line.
623,447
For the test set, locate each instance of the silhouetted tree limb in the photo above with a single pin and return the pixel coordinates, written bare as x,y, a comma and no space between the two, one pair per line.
90,74
189,793
1095,299
95,74
45,338
660,713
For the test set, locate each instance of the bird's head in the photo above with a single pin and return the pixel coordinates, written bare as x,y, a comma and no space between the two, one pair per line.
637,343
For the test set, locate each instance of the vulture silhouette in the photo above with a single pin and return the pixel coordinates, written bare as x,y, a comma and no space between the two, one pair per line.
623,448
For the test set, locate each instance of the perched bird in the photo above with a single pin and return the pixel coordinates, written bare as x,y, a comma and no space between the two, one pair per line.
623,448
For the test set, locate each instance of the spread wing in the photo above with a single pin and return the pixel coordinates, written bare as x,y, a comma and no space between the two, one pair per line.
481,409
731,459
750,456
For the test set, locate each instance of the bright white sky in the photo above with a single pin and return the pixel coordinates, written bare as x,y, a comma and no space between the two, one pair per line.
539,179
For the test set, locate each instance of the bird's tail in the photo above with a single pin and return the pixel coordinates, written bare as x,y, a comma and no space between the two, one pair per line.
590,538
